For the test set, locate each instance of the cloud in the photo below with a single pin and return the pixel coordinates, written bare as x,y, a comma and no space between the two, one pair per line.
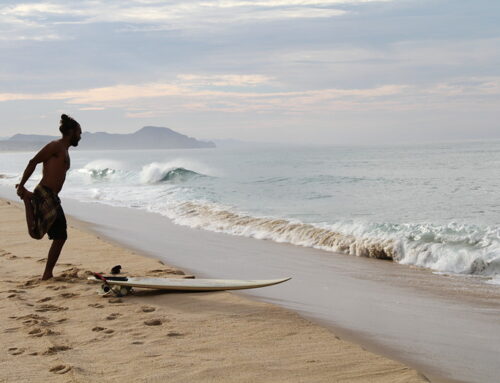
202,93
45,20
153,12
474,86
34,9
230,80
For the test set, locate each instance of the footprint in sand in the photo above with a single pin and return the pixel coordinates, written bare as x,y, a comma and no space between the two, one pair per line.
174,334
31,319
103,329
46,323
38,332
113,316
30,283
37,320
16,291
96,305
59,287
69,275
13,293
157,271
35,331
30,316
153,322
49,307
4,253
60,369
55,349
115,300
46,299
15,351
12,329
148,309
69,295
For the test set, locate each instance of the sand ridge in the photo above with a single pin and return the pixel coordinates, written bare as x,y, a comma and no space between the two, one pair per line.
62,331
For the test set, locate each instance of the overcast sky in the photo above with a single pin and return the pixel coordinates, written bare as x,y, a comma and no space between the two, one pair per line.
312,71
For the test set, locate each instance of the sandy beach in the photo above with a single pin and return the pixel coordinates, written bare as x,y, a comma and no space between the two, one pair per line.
62,331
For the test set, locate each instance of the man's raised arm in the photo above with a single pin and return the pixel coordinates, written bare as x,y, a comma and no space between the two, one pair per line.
43,155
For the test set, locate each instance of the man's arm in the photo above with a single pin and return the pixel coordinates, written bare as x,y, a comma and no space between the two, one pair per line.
43,155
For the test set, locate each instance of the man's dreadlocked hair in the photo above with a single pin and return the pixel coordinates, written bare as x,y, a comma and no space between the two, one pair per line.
67,123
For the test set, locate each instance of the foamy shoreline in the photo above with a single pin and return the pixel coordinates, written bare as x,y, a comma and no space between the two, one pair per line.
62,331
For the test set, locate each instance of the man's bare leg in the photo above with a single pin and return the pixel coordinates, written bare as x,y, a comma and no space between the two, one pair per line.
30,216
54,252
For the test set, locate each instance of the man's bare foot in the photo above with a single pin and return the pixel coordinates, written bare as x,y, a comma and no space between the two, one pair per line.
47,277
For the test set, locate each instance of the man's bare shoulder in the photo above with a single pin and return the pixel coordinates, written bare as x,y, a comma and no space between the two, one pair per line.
56,146
52,149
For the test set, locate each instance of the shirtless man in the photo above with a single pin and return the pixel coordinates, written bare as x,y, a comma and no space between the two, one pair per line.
44,213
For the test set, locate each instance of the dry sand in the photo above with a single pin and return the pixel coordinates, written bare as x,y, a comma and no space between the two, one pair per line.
62,331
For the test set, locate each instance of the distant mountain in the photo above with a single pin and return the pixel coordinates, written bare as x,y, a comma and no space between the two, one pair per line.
31,138
149,137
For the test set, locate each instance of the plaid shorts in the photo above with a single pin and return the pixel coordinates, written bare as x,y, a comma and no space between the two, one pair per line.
48,214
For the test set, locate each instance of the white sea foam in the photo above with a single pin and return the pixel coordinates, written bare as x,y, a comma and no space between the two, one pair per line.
452,248
494,281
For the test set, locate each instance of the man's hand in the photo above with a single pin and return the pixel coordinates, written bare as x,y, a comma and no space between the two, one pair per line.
21,191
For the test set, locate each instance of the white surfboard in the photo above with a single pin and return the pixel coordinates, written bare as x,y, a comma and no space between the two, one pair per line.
187,284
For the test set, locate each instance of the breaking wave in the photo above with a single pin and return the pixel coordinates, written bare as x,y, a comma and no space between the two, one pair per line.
453,248
104,170
155,173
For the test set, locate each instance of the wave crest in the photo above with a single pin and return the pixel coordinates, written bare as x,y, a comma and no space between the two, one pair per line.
452,248
156,173
281,230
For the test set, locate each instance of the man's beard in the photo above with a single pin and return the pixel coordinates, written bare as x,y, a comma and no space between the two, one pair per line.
74,142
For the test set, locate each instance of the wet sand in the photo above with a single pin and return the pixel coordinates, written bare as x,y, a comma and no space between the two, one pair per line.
447,327
62,331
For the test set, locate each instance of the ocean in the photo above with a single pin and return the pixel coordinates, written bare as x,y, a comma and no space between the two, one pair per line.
430,205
